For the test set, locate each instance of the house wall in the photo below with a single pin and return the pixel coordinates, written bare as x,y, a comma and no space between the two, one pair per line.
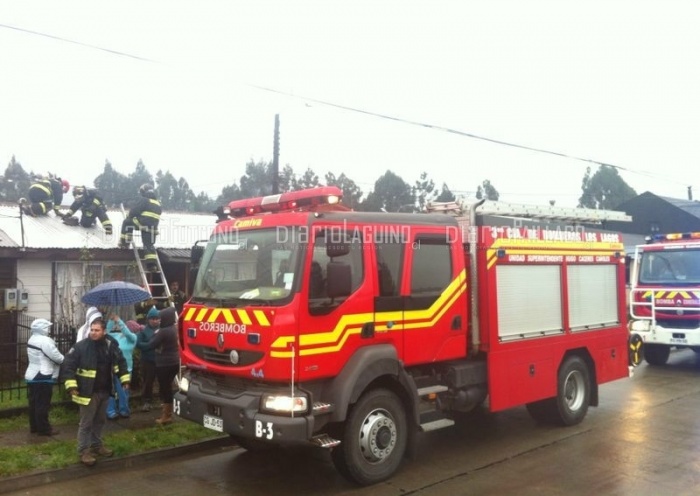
35,276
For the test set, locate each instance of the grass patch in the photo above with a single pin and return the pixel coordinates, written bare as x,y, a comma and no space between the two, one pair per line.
58,415
55,454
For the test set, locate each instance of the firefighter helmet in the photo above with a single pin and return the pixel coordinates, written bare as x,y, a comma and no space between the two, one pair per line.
78,192
66,185
146,190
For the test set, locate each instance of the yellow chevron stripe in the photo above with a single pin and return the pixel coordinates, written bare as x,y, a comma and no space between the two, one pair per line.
202,313
190,313
243,316
261,317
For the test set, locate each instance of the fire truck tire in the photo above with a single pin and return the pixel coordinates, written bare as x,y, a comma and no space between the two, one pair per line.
656,354
570,405
573,391
374,438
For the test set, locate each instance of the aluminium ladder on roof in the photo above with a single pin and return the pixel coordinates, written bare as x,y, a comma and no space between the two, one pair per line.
545,212
153,281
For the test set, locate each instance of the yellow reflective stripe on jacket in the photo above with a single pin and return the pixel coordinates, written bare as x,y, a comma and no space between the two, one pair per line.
125,378
152,215
71,384
86,373
43,188
80,400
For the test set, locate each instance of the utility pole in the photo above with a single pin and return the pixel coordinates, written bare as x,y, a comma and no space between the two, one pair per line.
276,157
690,193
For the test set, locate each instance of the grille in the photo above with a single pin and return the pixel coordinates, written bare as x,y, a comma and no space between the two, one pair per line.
211,355
679,323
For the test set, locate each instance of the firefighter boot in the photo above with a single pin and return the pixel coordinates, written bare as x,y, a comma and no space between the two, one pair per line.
102,451
87,458
167,416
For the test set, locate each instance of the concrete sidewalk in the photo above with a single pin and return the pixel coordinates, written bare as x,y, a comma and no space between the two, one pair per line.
137,421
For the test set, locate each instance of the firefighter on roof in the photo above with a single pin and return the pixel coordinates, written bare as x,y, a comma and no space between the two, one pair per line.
91,206
45,194
145,216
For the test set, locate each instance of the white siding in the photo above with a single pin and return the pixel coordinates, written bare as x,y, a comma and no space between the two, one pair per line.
34,276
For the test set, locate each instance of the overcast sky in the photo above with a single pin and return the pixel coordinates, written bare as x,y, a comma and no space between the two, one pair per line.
174,83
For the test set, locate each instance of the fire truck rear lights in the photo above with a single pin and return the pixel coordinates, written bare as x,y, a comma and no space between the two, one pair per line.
286,202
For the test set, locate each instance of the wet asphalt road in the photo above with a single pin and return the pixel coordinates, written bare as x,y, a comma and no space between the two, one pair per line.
643,439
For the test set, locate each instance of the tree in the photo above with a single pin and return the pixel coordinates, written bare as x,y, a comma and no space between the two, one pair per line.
15,183
112,186
424,191
488,192
352,194
308,180
257,180
173,194
605,189
391,193
445,195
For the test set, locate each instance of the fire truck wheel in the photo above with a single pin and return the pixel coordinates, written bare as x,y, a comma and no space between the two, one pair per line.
656,354
573,391
570,405
374,438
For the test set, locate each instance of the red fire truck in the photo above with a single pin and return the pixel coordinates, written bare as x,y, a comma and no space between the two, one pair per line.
665,294
354,331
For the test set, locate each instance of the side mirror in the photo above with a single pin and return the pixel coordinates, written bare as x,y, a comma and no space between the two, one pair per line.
196,253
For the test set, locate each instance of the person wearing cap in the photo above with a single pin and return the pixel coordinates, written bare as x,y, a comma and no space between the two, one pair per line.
87,374
117,329
148,357
41,376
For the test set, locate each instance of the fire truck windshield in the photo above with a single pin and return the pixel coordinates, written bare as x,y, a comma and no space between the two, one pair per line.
245,267
670,267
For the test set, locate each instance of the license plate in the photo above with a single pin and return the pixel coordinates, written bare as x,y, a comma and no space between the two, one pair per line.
213,423
679,341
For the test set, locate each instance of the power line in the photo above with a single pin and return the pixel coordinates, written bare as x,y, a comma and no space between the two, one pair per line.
462,133
67,40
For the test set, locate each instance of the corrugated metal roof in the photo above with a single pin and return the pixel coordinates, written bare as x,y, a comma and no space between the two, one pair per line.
690,206
176,230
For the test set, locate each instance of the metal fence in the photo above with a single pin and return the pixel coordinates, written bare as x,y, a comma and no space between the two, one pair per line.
16,329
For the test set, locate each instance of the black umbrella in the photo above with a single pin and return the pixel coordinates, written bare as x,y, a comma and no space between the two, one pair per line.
115,294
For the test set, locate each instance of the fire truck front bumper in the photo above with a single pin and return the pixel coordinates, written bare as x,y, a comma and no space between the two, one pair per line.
240,416
656,333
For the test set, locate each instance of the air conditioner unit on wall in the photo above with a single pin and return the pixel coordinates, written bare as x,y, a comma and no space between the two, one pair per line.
10,299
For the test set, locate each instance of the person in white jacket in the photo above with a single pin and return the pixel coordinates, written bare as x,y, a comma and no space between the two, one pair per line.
41,375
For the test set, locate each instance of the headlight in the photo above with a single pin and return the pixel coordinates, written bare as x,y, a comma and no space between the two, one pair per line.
184,384
276,403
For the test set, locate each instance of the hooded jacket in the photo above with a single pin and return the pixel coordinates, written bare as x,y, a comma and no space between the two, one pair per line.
44,357
165,340
91,314
126,339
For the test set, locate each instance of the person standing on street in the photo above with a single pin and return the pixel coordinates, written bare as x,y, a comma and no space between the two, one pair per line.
148,357
145,216
117,329
87,371
41,376
165,344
